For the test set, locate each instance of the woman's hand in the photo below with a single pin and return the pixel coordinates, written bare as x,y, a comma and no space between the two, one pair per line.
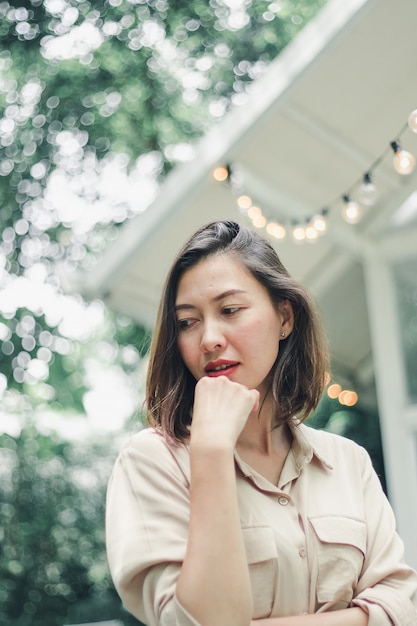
221,409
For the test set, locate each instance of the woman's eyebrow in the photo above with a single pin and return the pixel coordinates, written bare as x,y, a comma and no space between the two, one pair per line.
182,307
217,298
226,294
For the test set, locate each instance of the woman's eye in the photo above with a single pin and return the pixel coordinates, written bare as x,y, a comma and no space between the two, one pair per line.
184,324
230,310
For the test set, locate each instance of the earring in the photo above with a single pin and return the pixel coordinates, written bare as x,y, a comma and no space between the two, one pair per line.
282,335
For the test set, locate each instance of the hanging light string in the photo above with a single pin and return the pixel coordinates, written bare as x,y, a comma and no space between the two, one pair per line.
315,225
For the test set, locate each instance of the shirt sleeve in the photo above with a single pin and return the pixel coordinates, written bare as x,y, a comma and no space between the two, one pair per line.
387,586
147,514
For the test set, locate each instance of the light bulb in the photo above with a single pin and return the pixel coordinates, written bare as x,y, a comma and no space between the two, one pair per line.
351,211
412,121
299,232
220,174
367,192
254,212
244,202
404,162
259,221
276,230
334,390
348,397
319,222
311,233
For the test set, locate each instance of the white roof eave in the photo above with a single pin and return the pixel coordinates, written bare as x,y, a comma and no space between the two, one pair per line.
185,181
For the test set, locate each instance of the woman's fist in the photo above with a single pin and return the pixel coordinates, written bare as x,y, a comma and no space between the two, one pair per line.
221,409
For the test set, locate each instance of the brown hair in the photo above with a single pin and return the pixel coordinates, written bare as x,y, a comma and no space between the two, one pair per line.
298,375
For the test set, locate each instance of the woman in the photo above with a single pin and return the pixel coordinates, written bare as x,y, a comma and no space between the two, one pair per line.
228,510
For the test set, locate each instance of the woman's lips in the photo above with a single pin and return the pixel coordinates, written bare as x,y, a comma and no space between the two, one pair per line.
220,368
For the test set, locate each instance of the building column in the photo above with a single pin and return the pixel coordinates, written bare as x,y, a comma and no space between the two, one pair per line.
397,415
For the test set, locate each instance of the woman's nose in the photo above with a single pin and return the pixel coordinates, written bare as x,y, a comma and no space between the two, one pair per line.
212,338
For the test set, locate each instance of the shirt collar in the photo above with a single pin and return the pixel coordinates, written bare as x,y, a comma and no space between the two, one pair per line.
306,446
307,443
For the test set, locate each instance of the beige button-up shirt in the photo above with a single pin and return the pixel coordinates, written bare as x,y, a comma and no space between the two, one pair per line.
323,539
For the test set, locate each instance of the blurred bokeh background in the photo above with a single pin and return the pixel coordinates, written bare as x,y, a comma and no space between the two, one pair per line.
99,102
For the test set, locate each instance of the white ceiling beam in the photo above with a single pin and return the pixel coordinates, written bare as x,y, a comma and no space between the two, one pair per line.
275,202
399,244
337,142
330,272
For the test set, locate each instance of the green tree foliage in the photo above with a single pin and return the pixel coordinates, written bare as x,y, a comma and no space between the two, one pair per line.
83,80
356,423
53,568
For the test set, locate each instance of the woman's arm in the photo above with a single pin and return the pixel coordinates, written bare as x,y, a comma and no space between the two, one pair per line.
345,617
214,584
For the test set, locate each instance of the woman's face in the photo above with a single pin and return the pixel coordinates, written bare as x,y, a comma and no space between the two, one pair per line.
227,323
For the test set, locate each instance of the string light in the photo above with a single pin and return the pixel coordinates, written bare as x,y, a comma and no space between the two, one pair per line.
351,211
334,390
254,212
244,202
347,397
311,233
403,161
363,193
299,233
319,222
276,230
221,174
367,192
259,221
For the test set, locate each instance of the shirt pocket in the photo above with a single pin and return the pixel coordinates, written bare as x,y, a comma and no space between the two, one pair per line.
341,548
261,553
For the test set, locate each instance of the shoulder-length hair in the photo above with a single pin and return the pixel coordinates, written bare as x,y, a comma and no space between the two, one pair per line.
298,375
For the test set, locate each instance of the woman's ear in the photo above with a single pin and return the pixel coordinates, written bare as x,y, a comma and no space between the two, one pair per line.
286,314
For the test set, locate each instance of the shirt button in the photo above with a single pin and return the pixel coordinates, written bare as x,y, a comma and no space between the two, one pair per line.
302,552
283,501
